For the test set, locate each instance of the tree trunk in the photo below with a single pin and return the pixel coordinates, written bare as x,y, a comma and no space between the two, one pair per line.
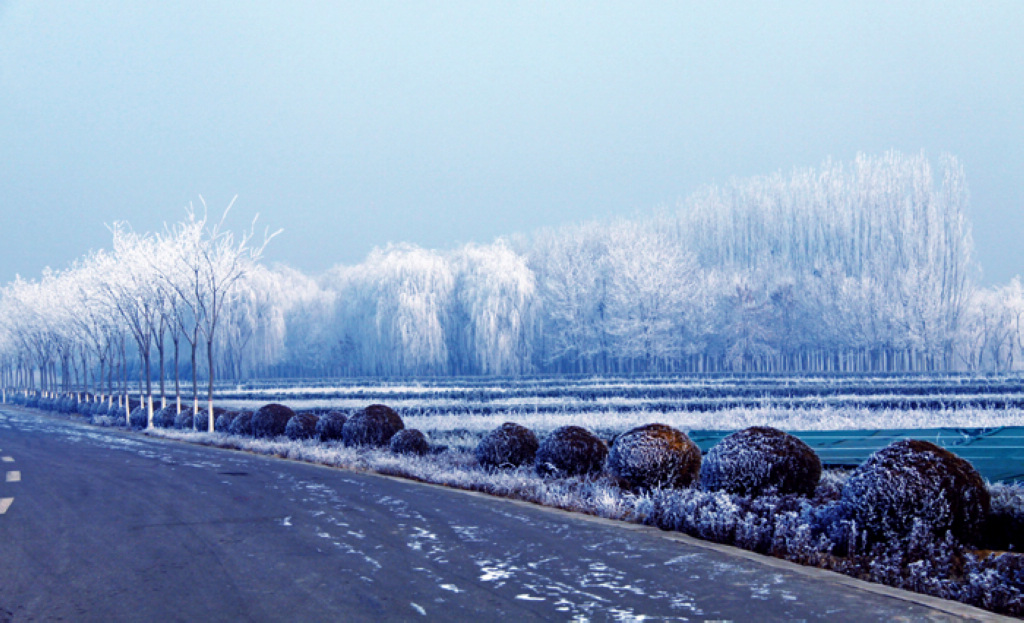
177,377
195,381
142,392
163,393
149,392
209,395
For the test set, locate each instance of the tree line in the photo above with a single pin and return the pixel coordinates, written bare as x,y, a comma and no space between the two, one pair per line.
864,266
88,328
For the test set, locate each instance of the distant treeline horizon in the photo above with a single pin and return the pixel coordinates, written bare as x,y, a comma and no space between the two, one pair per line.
865,266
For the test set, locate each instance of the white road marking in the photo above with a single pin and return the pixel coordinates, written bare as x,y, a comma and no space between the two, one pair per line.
8,459
14,476
5,503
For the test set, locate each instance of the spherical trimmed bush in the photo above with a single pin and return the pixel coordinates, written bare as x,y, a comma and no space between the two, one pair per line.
184,420
117,411
409,441
223,422
201,422
329,426
654,455
913,479
571,451
164,418
139,418
760,460
242,424
100,408
103,419
271,420
301,426
373,426
509,445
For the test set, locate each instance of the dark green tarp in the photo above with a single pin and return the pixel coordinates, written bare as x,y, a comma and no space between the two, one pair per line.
997,453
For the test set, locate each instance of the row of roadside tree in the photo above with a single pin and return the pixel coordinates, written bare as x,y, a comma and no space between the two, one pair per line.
864,266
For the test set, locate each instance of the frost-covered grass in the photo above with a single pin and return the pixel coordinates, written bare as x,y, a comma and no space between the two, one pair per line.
471,426
453,468
799,529
693,393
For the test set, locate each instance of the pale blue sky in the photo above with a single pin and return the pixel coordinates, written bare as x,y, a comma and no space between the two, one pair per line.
354,124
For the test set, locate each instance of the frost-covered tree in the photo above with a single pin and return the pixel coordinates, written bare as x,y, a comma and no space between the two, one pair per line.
651,282
495,295
95,320
571,268
131,287
848,267
208,261
883,223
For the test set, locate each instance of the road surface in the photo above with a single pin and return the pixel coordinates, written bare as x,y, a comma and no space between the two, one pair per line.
103,525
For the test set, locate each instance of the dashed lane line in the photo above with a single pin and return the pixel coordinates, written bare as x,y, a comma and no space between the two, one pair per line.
12,476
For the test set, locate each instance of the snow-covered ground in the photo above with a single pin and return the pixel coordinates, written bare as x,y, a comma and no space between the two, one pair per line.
612,405
690,403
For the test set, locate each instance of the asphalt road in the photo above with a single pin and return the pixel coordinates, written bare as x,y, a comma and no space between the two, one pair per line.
104,525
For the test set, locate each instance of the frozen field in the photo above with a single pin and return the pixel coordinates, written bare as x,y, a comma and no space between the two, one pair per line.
611,405
844,418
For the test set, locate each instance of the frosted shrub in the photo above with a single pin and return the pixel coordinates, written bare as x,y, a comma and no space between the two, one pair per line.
759,460
409,441
571,451
184,420
271,420
329,426
139,418
223,422
1004,528
509,445
99,408
912,479
652,456
201,421
372,426
164,418
301,426
108,420
996,582
242,424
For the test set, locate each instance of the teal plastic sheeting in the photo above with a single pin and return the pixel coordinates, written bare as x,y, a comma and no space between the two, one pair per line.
997,453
